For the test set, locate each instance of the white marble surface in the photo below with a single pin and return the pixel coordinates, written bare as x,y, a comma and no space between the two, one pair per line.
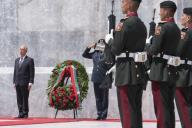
84,124
56,30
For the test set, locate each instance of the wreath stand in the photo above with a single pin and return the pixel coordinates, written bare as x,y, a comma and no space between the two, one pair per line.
58,77
75,114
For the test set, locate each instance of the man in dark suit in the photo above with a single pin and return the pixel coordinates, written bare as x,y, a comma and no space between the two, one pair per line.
131,76
183,95
23,80
163,73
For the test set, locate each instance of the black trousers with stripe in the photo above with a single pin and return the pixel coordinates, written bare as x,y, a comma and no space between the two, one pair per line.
101,96
129,103
163,98
183,98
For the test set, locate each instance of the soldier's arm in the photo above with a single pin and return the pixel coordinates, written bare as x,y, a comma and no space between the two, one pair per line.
181,47
14,74
31,71
87,53
120,37
155,47
117,43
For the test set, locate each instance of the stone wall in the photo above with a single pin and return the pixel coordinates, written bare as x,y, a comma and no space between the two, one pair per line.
57,30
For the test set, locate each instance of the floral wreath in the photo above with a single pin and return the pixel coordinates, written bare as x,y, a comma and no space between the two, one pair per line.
67,86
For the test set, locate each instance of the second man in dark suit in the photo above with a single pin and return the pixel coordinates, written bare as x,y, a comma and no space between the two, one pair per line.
23,80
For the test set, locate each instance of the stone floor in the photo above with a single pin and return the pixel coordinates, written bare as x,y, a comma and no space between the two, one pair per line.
83,124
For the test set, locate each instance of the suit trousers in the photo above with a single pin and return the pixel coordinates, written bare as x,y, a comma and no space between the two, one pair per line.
130,103
163,98
101,96
183,98
22,93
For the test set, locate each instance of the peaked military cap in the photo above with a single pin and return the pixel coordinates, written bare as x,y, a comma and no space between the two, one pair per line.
168,4
187,11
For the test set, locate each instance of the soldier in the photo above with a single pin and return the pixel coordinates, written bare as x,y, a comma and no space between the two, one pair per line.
98,76
183,95
131,77
163,73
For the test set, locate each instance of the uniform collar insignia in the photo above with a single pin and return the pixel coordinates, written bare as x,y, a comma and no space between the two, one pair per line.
170,19
158,30
189,26
132,14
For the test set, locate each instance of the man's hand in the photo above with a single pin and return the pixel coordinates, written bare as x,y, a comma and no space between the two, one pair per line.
14,86
109,36
29,86
92,45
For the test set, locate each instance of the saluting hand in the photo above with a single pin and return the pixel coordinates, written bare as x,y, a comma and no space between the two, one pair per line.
92,45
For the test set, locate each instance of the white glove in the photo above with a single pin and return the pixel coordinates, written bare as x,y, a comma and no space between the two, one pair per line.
148,40
109,36
148,72
112,69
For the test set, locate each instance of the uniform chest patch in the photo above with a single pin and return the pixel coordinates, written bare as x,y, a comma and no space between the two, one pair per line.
119,27
158,30
183,35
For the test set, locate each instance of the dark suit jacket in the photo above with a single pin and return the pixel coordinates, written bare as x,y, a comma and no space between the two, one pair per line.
99,67
130,38
24,74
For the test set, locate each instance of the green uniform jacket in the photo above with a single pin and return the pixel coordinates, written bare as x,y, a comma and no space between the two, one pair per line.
165,41
131,38
185,70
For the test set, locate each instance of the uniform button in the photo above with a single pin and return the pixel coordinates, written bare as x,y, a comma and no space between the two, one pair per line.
169,73
97,70
136,66
97,65
137,75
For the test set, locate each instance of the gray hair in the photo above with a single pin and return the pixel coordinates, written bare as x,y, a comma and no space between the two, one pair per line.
24,47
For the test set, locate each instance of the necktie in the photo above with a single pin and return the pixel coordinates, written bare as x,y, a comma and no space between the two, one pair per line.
20,61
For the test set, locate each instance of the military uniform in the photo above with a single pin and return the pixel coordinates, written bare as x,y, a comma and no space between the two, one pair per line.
163,76
98,75
183,95
131,76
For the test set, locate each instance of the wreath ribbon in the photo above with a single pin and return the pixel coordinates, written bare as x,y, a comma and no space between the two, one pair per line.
69,72
68,85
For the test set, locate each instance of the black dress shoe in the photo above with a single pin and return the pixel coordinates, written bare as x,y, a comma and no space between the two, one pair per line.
20,116
98,118
103,118
25,116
